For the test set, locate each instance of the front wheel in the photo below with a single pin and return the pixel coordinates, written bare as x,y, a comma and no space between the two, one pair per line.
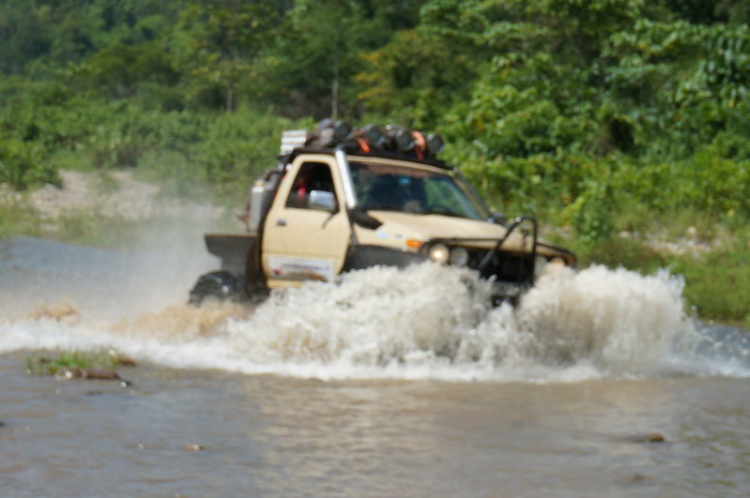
221,285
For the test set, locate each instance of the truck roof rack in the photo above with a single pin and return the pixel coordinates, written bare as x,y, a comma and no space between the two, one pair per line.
354,151
394,141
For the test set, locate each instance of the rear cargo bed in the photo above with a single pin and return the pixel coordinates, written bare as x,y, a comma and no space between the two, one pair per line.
232,248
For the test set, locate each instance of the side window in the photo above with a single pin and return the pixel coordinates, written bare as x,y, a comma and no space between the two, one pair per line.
311,176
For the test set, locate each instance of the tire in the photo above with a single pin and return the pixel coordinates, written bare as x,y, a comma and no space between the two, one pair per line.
221,285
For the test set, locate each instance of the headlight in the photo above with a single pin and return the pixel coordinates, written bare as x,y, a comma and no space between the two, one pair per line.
400,137
557,260
373,135
440,253
459,256
435,143
342,131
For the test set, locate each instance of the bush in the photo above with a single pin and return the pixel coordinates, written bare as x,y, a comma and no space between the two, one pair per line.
22,164
718,283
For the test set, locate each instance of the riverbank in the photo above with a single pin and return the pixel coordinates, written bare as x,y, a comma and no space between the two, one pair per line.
102,209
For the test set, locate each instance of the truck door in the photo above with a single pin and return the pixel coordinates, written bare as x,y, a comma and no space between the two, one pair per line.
307,232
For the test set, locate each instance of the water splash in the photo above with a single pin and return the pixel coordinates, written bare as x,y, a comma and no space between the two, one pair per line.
426,321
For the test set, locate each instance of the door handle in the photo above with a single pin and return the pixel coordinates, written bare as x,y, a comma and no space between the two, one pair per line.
280,223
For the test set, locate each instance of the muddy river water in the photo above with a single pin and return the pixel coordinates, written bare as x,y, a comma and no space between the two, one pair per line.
391,383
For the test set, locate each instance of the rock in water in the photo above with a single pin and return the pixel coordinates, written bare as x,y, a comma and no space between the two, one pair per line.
634,478
67,373
648,437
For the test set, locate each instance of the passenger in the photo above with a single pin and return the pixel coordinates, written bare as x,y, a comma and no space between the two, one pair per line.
300,193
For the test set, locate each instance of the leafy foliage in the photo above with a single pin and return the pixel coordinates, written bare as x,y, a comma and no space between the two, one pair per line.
725,269
41,364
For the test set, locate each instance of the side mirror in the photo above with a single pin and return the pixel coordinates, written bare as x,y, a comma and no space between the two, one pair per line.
364,220
322,200
497,218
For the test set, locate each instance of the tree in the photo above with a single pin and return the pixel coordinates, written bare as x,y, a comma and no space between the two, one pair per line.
23,36
320,51
217,43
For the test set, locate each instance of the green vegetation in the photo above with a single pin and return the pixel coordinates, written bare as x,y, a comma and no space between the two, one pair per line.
603,116
16,218
717,285
41,364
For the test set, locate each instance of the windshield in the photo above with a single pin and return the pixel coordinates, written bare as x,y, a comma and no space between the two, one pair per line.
385,187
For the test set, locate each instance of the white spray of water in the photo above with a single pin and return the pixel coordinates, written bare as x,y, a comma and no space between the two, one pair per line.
427,321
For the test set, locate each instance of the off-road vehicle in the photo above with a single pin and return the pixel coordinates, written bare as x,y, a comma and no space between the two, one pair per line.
343,199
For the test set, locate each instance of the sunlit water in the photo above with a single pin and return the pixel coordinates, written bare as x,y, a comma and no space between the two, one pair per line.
390,383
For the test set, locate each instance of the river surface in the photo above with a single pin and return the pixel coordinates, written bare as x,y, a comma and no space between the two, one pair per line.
391,383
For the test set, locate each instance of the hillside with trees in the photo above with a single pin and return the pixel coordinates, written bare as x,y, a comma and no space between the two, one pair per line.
606,117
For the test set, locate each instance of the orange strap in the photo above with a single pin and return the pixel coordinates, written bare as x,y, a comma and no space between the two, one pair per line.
421,144
363,145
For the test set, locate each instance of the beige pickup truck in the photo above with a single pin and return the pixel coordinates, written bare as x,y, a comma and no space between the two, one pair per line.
343,199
